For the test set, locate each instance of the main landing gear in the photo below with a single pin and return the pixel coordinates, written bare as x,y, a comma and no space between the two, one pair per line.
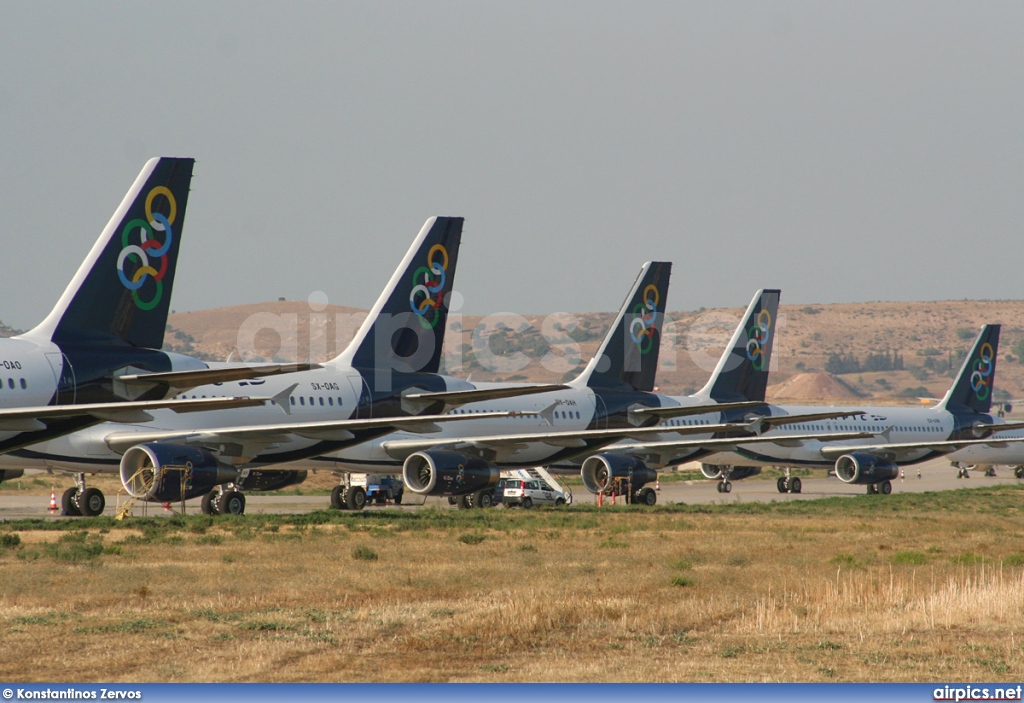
789,484
348,497
79,500
885,488
479,499
223,500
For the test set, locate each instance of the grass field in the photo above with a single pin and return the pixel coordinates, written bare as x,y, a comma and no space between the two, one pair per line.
913,588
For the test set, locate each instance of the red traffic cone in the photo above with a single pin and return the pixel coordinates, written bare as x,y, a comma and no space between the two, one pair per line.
167,507
53,500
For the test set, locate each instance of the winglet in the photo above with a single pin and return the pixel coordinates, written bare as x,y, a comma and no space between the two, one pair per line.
282,399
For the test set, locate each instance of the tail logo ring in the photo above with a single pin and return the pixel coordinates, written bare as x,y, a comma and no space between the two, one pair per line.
981,375
427,294
757,339
645,320
148,250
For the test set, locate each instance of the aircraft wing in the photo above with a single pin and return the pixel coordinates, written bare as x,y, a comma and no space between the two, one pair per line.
452,398
182,380
769,422
683,410
663,452
30,419
266,435
507,444
899,451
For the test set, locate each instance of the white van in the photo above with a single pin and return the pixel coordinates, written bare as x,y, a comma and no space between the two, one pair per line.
530,492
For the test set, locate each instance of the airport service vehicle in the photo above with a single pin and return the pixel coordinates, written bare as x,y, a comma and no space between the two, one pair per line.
387,378
380,488
527,493
97,355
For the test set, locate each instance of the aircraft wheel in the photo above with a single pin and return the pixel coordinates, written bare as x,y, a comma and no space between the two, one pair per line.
91,502
781,484
872,489
991,473
966,474
885,487
452,500
483,499
527,502
68,503
463,502
726,487
338,498
796,485
1019,472
355,498
231,503
647,496
206,505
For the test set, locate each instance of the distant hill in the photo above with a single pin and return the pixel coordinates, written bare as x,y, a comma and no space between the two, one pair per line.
927,337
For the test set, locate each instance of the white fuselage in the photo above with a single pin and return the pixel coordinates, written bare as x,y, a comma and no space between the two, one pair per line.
907,425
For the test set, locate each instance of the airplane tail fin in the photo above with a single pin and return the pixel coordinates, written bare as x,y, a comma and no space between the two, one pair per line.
404,330
628,356
742,371
972,389
121,293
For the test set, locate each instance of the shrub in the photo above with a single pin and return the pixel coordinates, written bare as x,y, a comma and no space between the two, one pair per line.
364,553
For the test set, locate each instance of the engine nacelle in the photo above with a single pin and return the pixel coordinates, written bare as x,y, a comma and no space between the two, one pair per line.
258,480
9,474
711,470
443,473
599,470
735,473
863,469
165,473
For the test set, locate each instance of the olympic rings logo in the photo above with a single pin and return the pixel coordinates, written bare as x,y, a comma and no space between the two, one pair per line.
148,249
428,290
757,337
644,324
981,376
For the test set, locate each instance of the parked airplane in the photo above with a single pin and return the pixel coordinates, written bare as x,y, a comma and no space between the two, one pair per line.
908,435
387,378
97,354
611,399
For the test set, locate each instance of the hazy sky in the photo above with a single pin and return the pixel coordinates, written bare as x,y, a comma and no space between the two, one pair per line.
841,151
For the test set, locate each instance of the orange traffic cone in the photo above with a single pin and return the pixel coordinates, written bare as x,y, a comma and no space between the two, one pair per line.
53,500
167,507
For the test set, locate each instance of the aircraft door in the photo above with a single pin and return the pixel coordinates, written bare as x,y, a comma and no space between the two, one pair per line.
600,413
64,377
364,399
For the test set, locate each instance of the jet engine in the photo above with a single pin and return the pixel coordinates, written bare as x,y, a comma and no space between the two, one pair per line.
599,470
735,473
165,473
10,474
257,480
863,468
444,473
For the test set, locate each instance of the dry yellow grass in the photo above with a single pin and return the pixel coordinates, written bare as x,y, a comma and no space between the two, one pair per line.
923,587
